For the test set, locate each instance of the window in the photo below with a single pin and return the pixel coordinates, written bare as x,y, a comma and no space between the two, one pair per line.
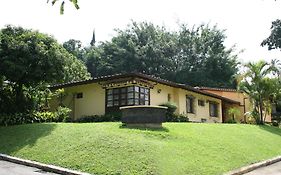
169,97
109,98
201,103
213,109
132,95
189,104
79,95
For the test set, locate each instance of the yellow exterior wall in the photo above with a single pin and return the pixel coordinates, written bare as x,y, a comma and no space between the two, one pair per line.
245,103
93,101
178,96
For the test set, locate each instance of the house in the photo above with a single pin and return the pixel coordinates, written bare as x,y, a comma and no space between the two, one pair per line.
244,100
108,93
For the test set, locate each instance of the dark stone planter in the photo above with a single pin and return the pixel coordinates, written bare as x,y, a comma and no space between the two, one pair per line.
147,116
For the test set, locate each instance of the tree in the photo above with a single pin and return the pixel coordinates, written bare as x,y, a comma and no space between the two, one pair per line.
29,58
274,39
195,56
74,2
260,88
75,48
203,59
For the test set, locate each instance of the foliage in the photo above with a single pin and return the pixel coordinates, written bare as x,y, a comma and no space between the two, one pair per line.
15,119
29,61
172,107
74,2
233,112
62,114
75,48
196,56
203,59
260,87
273,41
177,149
231,120
276,119
44,116
178,118
111,117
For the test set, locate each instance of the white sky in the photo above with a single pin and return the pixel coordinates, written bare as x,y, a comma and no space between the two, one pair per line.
247,22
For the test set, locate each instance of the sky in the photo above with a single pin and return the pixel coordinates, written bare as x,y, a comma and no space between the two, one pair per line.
246,22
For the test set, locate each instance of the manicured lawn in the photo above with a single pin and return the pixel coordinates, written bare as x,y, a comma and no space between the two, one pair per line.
108,148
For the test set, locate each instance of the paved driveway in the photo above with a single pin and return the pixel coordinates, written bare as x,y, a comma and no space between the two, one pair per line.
8,168
274,169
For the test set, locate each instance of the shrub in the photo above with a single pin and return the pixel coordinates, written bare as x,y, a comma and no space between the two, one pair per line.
62,114
179,118
275,123
110,117
231,121
170,111
44,116
15,119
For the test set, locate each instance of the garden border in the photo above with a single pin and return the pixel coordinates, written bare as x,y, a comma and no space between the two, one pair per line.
254,166
42,166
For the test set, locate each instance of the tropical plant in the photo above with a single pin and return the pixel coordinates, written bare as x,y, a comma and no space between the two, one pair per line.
256,82
74,2
233,112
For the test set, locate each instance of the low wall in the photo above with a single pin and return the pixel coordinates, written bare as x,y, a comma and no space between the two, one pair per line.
144,115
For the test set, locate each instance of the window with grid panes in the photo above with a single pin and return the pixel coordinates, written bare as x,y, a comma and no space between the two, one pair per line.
127,96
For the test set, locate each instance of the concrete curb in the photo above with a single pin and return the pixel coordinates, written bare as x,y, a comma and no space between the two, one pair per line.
254,166
45,167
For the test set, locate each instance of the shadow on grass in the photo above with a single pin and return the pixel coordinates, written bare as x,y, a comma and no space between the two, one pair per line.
271,129
14,138
163,129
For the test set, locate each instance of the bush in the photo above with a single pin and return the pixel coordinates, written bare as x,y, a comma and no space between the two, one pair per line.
275,123
62,114
15,119
179,118
111,117
170,116
44,116
231,121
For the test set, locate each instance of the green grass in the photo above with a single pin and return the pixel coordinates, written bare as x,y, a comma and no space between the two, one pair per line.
108,148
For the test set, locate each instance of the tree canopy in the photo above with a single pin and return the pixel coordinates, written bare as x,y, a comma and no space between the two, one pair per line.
29,59
196,56
274,39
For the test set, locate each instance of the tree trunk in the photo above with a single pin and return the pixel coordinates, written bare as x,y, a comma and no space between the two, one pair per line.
261,113
19,98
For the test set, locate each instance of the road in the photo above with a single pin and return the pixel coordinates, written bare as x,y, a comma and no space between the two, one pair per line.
274,169
8,168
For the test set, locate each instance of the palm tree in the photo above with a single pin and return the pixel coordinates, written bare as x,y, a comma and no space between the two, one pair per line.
233,112
256,83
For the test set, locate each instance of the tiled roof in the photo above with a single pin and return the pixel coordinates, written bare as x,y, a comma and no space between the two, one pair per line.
144,76
216,89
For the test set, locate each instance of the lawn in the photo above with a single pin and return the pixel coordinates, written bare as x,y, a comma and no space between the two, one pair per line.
109,148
